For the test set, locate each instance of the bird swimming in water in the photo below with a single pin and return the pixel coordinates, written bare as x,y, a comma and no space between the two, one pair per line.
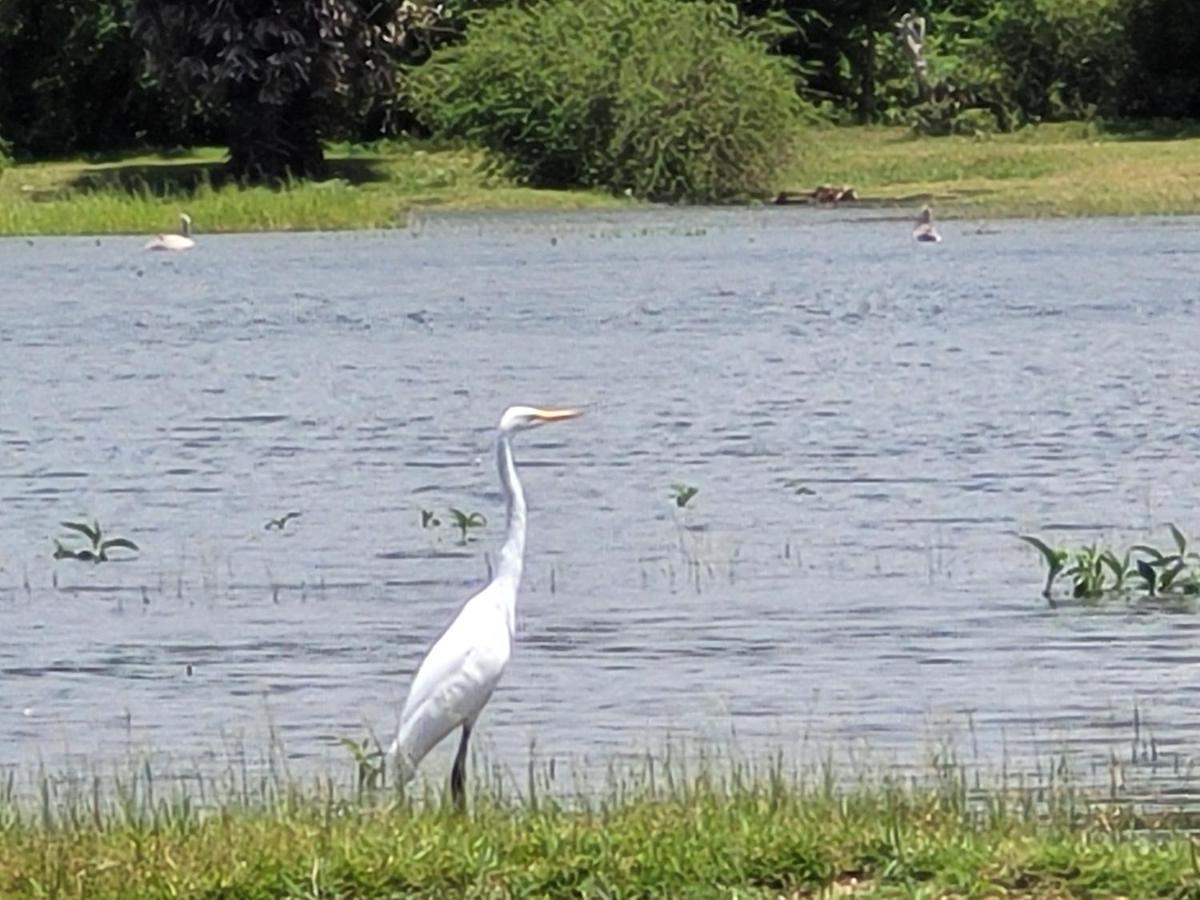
181,241
924,231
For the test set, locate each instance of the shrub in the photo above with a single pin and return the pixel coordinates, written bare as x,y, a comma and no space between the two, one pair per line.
669,100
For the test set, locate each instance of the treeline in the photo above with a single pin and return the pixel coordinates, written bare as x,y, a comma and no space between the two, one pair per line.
91,76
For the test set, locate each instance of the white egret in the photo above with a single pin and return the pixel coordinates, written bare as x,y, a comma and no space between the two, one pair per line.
458,674
925,231
181,241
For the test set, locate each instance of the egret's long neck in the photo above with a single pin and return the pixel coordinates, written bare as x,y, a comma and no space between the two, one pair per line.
512,553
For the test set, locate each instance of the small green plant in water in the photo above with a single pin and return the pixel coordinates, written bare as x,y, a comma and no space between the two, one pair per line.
682,493
370,764
100,545
1096,571
465,522
280,522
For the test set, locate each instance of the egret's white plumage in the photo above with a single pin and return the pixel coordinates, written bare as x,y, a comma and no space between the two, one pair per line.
924,231
181,241
458,674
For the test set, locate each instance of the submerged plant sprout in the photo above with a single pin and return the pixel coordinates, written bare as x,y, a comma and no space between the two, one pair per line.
1096,571
97,551
683,493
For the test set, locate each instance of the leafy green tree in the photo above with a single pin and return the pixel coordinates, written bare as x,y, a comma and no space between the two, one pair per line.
667,100
837,42
279,75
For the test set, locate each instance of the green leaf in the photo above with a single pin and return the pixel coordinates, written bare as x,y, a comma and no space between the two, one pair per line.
1157,554
83,528
1170,575
1180,540
1119,567
683,493
119,542
1147,572
1054,558
358,751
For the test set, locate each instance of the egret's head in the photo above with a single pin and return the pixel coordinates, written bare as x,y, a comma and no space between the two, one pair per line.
520,418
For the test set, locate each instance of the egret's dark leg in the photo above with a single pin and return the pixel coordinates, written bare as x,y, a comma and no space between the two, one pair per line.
458,775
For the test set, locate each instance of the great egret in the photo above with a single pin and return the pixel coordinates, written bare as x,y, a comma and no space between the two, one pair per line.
925,231
463,667
181,241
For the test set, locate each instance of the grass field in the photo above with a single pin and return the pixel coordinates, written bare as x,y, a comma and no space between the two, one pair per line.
664,834
1056,170
368,188
1074,169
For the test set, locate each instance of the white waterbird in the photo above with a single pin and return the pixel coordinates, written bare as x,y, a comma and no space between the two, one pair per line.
924,231
181,241
458,674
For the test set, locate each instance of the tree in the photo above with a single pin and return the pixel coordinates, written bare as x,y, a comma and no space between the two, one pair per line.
71,80
854,29
279,74
1165,39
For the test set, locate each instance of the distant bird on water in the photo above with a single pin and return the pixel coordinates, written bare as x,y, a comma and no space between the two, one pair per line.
925,230
181,241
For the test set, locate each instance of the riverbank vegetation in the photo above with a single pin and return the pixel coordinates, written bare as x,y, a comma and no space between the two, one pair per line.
667,833
640,96
1051,170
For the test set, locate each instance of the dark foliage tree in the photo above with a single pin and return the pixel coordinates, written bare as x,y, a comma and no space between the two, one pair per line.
279,74
836,42
71,80
1164,36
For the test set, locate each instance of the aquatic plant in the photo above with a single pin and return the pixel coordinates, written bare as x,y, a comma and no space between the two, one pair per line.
682,493
1096,571
429,519
465,521
281,521
370,764
100,545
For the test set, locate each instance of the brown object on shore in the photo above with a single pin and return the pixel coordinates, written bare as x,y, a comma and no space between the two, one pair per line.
826,193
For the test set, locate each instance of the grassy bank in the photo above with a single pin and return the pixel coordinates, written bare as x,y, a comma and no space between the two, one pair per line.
736,836
1059,170
1073,169
367,188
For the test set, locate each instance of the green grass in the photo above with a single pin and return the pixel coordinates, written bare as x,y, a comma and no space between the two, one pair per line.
372,188
663,834
1074,169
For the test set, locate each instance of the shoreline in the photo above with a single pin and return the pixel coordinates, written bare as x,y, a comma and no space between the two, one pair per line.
1070,170
751,832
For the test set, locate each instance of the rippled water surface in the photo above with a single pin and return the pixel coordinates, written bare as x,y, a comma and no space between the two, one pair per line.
867,420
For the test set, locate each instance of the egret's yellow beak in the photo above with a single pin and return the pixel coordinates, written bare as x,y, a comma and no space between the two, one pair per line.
557,415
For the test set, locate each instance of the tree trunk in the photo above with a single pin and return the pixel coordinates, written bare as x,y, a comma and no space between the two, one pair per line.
866,78
269,144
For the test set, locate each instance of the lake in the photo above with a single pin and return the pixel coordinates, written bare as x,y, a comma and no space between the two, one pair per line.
868,422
